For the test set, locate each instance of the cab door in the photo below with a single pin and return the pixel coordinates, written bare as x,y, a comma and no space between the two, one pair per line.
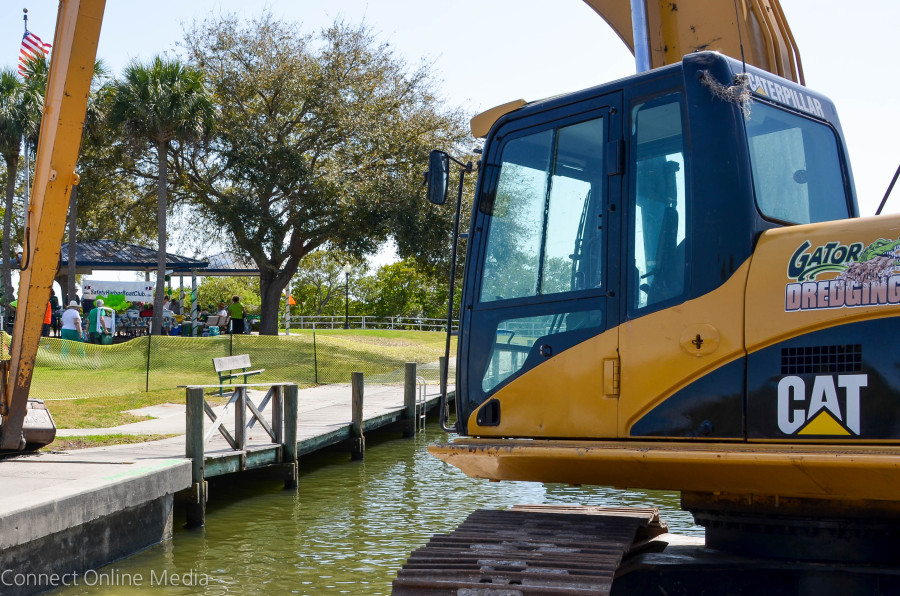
541,282
682,354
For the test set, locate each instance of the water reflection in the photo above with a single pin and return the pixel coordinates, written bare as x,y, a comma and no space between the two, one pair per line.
347,530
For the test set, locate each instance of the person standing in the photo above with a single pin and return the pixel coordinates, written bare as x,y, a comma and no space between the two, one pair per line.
71,322
54,308
96,324
236,311
48,318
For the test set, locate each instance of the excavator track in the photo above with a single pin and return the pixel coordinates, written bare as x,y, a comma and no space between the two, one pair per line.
530,549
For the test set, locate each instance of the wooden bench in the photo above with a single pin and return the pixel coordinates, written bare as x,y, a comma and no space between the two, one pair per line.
227,365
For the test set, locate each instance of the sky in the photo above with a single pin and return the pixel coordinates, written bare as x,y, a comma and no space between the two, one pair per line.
488,52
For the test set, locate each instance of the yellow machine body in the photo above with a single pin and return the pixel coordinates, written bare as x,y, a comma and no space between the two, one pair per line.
65,105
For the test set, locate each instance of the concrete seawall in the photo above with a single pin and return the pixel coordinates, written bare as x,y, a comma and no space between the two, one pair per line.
62,514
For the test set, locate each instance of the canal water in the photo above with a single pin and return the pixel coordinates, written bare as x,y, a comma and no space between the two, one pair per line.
347,529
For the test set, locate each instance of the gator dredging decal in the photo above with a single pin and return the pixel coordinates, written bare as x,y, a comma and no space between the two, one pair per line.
862,275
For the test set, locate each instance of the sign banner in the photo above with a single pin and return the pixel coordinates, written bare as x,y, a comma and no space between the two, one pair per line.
134,291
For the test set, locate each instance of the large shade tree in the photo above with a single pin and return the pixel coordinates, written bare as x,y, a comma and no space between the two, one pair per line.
158,107
322,139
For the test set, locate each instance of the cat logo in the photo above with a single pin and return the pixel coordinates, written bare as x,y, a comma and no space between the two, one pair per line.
820,412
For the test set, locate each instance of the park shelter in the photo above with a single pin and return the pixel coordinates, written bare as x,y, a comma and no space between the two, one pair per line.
112,255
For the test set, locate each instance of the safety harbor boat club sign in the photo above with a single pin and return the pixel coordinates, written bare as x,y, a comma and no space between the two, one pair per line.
860,275
134,291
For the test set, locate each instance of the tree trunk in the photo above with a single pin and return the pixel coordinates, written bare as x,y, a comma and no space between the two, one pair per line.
270,289
162,156
73,239
12,166
270,295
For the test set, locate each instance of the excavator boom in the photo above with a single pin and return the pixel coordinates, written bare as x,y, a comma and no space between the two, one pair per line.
751,30
65,105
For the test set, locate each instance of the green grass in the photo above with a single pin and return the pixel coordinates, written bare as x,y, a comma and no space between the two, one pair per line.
108,410
72,443
88,386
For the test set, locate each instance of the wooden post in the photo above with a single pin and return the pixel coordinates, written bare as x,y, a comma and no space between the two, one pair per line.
358,449
196,508
278,413
409,398
240,418
289,440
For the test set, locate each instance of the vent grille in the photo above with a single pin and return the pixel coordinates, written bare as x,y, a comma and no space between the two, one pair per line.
815,360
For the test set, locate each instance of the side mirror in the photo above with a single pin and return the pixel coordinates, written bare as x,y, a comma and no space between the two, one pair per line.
438,176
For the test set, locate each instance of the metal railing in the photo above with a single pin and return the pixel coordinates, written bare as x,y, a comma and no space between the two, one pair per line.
421,404
368,322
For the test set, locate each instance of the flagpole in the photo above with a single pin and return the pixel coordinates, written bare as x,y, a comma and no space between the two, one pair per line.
27,168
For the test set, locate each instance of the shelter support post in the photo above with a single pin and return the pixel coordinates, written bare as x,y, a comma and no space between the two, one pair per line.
195,310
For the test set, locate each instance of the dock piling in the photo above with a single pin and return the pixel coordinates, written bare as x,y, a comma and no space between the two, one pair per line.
240,418
358,448
196,508
289,434
409,399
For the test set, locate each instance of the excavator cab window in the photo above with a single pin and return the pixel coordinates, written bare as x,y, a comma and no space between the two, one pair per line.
540,241
797,173
659,208
545,246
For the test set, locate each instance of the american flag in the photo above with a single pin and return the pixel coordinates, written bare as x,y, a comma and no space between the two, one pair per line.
32,47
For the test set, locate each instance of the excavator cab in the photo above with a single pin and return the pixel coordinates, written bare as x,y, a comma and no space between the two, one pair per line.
668,287
610,248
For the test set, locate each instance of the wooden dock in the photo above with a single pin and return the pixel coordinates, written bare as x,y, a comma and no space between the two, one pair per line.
267,426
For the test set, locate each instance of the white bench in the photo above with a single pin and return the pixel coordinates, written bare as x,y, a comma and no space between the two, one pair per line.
229,367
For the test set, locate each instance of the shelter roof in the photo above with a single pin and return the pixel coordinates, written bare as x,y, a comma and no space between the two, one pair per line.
111,255
229,263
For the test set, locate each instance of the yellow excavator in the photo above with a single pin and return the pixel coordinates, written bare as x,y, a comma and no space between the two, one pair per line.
26,423
668,286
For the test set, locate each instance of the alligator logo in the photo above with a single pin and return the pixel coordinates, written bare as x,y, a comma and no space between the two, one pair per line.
863,275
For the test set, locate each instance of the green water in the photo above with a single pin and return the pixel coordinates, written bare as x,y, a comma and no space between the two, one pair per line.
347,529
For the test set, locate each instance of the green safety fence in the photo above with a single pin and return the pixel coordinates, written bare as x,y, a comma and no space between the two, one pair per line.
65,369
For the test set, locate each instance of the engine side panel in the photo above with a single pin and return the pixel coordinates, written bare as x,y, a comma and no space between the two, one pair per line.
822,326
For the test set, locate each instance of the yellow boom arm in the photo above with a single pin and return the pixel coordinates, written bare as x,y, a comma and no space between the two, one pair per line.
65,105
674,29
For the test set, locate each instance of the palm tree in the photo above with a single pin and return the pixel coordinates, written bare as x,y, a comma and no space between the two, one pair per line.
154,105
34,88
20,114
